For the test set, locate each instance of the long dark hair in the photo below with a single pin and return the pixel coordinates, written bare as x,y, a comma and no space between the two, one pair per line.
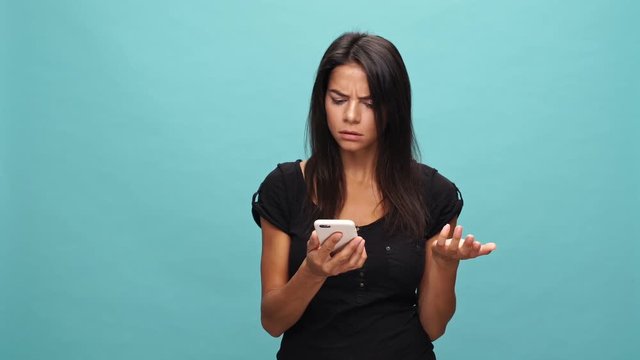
397,173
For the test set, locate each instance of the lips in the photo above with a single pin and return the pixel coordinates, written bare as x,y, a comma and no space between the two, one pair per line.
350,135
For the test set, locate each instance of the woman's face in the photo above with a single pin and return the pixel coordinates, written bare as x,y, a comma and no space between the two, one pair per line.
349,108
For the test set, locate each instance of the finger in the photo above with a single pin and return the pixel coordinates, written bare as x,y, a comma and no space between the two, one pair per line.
343,255
363,256
313,242
355,242
440,246
454,245
466,246
487,248
480,249
457,232
468,241
476,245
473,251
339,258
330,244
357,253
444,234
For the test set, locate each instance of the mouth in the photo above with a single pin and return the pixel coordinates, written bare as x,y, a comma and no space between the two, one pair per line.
352,133
346,135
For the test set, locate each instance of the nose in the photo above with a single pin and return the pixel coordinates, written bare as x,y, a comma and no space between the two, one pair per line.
352,113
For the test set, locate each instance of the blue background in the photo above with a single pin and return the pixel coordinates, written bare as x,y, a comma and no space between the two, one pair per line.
134,133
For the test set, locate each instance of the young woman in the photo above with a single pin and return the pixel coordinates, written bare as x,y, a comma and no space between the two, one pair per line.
390,292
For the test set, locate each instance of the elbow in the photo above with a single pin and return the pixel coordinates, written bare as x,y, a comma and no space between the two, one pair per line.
273,332
271,328
435,323
436,333
434,329
269,323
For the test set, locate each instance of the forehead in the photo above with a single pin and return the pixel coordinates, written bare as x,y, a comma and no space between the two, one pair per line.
349,78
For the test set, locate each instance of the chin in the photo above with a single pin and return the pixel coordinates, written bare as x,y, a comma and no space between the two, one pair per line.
354,148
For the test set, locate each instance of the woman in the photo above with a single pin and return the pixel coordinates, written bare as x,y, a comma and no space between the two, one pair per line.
390,291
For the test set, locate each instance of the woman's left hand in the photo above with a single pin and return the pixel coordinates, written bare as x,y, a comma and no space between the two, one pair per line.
456,248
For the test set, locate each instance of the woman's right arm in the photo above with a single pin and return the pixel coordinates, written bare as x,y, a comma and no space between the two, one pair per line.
284,300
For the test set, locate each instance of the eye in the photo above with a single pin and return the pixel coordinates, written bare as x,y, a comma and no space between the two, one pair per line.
368,104
338,101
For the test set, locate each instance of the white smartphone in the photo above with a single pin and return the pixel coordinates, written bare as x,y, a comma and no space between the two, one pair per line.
326,227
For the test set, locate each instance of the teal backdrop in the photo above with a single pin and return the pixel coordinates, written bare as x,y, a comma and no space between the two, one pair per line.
134,133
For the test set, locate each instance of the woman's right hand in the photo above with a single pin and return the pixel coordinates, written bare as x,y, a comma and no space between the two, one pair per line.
321,262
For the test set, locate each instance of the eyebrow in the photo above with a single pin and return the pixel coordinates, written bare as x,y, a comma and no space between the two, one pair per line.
368,97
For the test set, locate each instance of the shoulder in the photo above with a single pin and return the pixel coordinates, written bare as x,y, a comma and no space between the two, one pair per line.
283,172
277,194
442,198
440,193
434,182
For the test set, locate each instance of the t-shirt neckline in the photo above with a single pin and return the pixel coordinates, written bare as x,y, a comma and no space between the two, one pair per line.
304,186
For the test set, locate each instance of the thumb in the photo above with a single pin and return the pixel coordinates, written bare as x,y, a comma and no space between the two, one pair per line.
331,242
313,242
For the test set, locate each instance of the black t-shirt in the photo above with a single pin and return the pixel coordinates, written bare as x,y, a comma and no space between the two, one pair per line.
369,313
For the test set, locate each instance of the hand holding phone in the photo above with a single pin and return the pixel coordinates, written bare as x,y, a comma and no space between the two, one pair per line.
345,256
326,227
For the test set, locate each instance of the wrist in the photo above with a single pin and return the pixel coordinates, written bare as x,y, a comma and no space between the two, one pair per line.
445,264
310,274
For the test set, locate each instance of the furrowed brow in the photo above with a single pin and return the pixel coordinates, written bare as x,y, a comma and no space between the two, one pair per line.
368,97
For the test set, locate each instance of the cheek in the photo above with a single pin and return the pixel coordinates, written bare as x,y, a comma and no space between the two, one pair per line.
371,121
332,116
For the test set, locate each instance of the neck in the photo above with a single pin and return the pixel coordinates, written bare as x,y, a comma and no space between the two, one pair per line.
359,167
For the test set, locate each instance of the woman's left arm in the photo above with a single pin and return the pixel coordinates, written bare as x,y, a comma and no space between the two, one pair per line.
437,297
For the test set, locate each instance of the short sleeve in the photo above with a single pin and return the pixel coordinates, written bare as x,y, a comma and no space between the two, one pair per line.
444,202
270,201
